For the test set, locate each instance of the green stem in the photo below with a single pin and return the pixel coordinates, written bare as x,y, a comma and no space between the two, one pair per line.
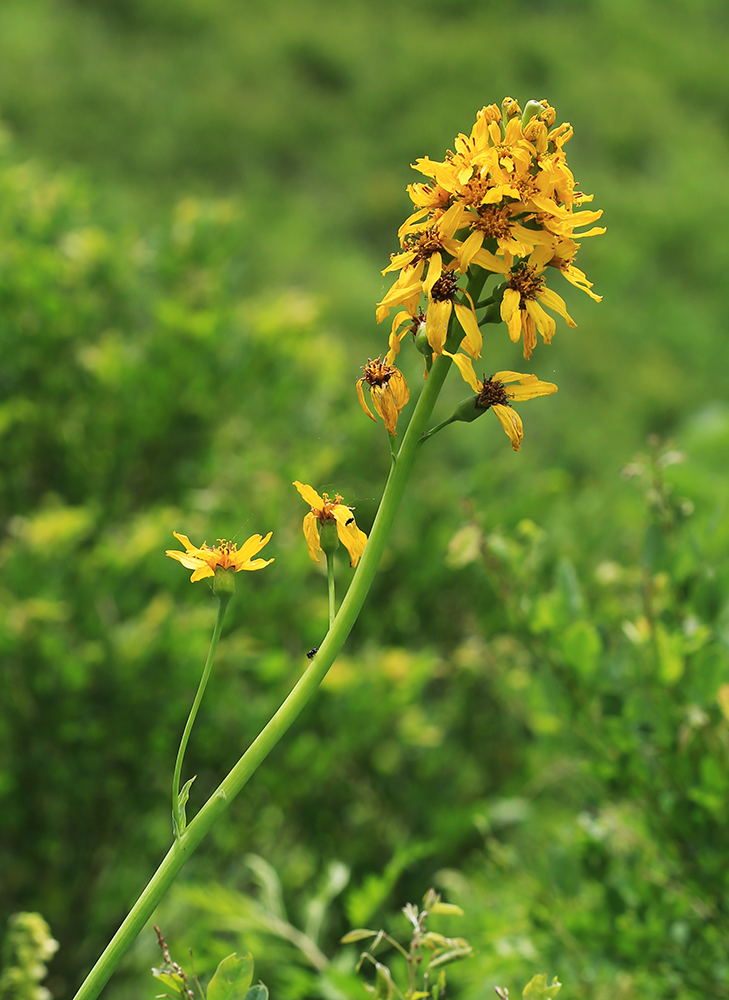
438,427
294,703
178,816
330,587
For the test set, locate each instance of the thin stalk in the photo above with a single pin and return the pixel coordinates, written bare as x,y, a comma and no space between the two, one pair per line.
438,427
177,812
330,588
305,687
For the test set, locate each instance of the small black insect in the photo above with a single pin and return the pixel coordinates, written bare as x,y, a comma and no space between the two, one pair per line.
312,652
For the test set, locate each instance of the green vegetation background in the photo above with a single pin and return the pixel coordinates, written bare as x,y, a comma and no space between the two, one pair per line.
196,200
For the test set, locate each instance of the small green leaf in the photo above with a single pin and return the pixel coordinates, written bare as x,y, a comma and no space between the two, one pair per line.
446,908
171,981
259,992
450,956
182,798
357,935
537,988
232,979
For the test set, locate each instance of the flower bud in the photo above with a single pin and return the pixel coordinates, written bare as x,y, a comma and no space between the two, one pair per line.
532,109
421,342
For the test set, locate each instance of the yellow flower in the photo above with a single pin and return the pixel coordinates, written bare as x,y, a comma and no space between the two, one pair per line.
323,509
388,390
204,561
520,307
492,394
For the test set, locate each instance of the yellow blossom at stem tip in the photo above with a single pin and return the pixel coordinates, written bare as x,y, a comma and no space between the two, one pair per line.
226,555
323,509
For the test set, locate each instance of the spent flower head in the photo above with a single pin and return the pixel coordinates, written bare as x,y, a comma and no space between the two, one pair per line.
388,390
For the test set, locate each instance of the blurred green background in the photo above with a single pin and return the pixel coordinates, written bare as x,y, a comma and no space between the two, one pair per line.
532,714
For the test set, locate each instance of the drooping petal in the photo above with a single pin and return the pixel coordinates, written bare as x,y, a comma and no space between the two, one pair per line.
436,323
435,269
352,539
384,402
465,367
473,340
555,302
511,422
363,404
543,322
311,534
399,388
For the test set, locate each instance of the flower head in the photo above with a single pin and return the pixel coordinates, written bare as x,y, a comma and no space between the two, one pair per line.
323,509
388,389
504,202
226,555
492,394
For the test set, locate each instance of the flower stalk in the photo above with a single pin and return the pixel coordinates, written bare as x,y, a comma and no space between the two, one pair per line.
179,800
302,691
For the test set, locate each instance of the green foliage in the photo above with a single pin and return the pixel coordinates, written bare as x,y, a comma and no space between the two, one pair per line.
26,948
231,980
533,711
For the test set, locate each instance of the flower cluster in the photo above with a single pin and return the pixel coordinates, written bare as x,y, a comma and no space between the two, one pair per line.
503,203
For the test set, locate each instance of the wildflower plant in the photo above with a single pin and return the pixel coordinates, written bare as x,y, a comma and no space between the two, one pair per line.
492,221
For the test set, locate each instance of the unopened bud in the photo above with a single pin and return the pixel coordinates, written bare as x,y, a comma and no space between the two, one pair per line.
533,109
422,343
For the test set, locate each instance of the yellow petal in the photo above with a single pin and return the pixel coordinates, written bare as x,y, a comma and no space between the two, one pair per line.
531,390
201,573
311,534
473,340
188,561
557,304
435,269
400,390
487,260
251,547
436,323
509,304
310,495
465,367
362,402
353,540
511,422
384,402
256,564
543,322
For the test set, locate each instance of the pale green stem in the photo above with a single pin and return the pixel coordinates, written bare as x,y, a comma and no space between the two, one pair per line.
438,427
177,820
267,739
330,588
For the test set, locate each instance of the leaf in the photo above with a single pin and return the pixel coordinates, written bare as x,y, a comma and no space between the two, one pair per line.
537,988
232,978
450,956
171,981
259,992
357,935
451,908
182,798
